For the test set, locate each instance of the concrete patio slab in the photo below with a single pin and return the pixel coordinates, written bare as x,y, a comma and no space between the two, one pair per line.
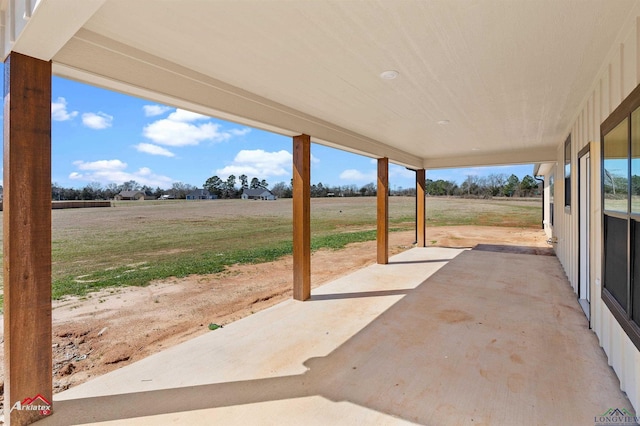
437,337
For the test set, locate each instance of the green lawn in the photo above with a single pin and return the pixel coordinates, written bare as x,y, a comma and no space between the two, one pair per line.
136,242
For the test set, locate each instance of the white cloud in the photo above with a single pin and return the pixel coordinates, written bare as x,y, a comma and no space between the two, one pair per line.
240,132
152,149
176,133
153,110
396,171
181,128
145,171
354,175
59,110
186,116
114,171
100,165
97,121
259,163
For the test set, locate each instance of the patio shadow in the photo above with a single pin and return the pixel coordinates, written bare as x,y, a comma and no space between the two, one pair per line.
489,338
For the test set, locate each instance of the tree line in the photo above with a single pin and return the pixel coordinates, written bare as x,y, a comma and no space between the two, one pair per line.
95,191
227,188
494,185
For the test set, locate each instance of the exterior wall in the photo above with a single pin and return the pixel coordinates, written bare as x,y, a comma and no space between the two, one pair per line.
620,74
548,228
546,171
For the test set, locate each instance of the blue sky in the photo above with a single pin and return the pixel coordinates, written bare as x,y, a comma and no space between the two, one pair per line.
107,137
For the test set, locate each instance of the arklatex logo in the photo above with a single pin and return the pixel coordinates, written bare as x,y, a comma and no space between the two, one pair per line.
37,403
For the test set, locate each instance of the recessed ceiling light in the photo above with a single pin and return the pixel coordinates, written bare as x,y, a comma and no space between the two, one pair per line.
443,122
389,75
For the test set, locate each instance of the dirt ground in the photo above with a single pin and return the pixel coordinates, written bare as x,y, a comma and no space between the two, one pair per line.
113,328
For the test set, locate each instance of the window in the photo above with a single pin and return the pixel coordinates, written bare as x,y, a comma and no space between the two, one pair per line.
567,172
620,135
551,193
616,168
635,162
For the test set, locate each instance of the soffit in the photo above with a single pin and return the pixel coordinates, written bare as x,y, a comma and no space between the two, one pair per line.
508,75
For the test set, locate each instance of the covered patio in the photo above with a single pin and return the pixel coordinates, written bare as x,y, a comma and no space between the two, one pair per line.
493,338
438,336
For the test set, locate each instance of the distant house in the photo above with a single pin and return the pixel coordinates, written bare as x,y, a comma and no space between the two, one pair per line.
130,195
257,194
200,194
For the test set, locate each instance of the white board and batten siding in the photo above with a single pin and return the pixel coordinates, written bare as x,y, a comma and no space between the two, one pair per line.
619,75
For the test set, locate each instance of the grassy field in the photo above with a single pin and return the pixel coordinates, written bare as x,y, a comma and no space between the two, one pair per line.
136,242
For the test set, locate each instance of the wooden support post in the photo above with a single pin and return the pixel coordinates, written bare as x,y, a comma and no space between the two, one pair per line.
421,213
27,238
383,211
301,217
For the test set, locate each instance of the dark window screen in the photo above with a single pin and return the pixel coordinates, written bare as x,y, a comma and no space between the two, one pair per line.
615,258
636,274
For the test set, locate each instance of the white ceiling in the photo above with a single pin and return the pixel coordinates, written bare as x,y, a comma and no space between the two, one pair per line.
508,75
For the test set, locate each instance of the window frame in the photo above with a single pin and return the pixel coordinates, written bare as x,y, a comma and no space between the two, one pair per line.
624,315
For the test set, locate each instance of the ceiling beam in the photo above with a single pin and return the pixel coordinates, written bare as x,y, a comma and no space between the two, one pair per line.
103,62
524,156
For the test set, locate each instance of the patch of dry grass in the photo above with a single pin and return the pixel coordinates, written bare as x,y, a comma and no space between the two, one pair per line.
97,247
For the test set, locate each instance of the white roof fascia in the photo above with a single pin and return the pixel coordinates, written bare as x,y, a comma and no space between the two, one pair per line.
40,28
